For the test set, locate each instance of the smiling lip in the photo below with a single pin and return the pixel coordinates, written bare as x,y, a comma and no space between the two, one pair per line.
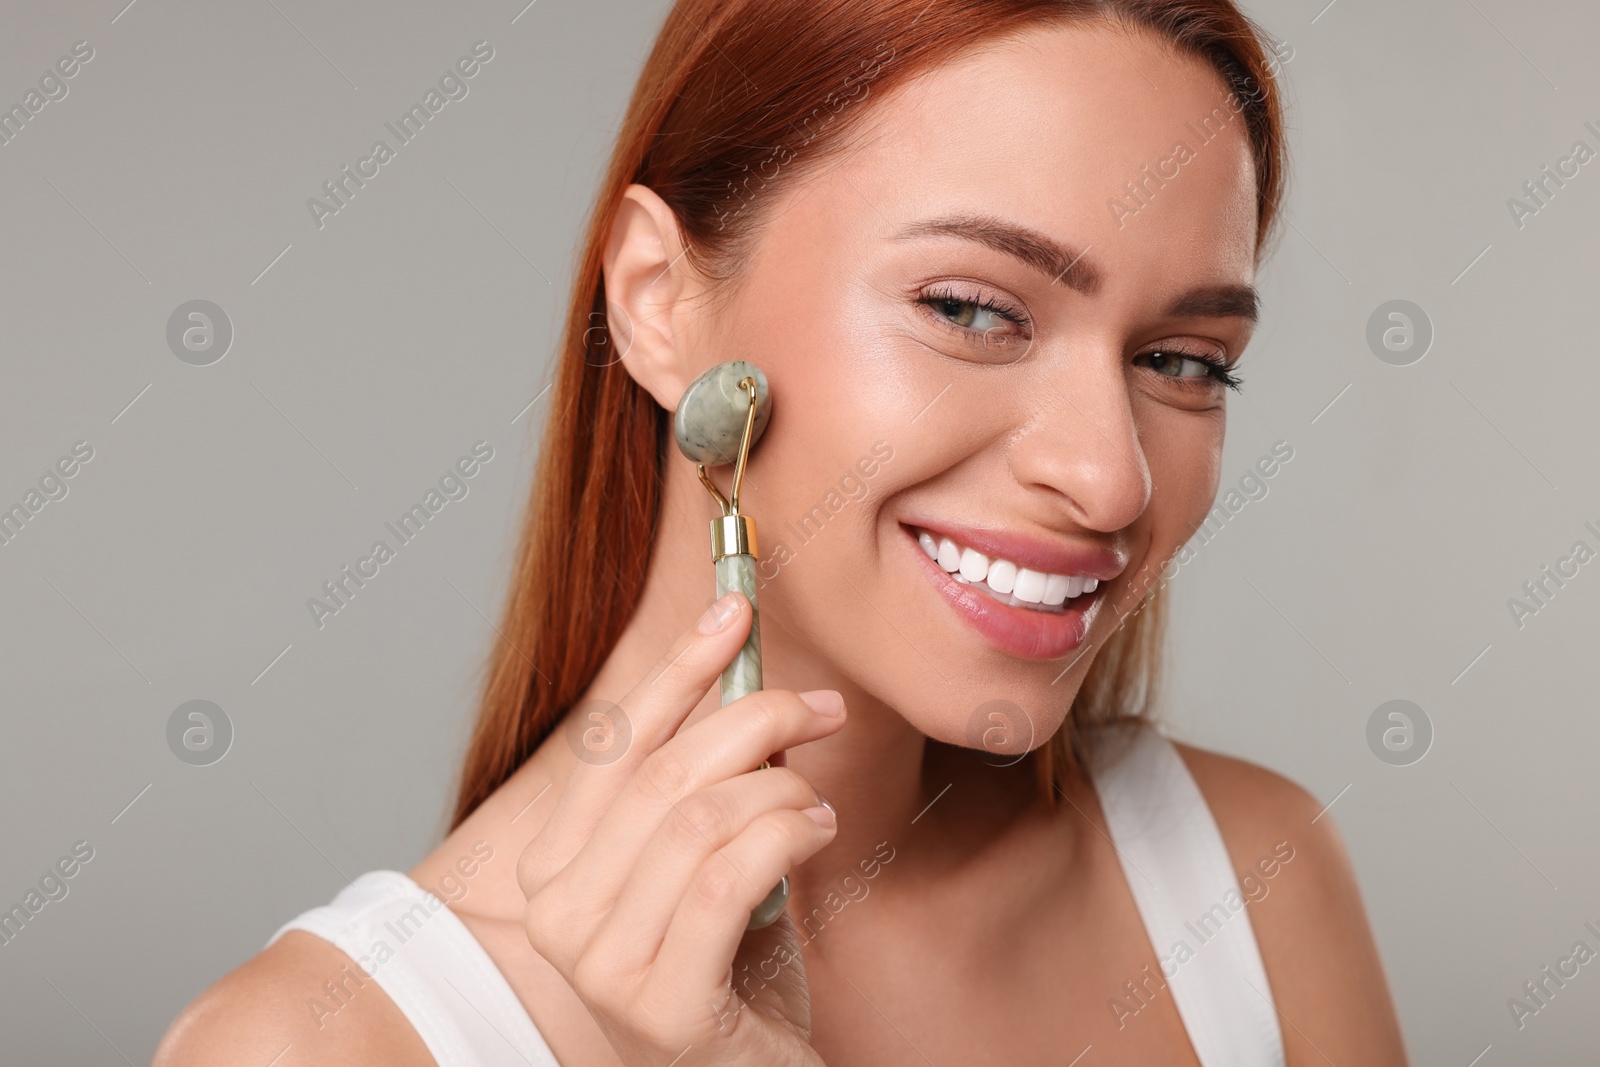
1023,632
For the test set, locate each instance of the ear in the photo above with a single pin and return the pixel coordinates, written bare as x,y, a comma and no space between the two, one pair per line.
651,295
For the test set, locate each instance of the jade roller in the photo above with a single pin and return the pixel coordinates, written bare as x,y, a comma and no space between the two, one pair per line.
720,418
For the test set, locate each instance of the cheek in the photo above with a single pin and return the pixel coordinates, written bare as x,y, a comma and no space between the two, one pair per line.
816,478
843,393
1185,458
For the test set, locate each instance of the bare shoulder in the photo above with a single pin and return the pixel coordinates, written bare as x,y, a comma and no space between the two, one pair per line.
1306,909
254,1014
1253,804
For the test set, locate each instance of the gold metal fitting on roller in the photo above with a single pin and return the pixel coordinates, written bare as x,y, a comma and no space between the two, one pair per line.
733,534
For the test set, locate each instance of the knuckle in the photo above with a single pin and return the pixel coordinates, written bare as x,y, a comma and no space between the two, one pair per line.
770,713
786,835
778,712
531,869
677,665
654,1023
593,981
695,820
776,831
718,886
536,924
792,784
666,774
550,921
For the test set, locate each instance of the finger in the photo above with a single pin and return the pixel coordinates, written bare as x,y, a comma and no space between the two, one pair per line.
694,829
710,920
663,699
729,742
652,711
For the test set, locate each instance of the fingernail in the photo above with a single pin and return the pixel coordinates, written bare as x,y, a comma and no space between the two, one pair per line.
824,702
719,615
823,817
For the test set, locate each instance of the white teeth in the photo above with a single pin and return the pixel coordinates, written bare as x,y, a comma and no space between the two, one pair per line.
1009,583
974,565
1030,586
1002,576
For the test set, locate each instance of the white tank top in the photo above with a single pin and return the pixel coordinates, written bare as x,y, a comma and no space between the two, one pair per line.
1172,855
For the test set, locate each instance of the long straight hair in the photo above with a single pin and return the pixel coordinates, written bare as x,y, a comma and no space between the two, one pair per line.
736,98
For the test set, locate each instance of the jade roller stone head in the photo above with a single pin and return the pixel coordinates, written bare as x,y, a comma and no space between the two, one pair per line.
709,422
714,427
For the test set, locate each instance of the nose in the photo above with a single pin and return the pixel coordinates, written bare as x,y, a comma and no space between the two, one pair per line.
1080,444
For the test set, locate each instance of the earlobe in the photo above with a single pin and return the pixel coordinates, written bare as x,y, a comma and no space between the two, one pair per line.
647,287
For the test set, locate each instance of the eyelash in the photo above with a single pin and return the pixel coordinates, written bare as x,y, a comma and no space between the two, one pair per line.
948,295
1216,368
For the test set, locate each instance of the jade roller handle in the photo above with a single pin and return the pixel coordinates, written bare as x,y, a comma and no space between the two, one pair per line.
740,678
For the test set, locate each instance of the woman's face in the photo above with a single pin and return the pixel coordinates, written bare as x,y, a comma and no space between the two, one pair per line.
975,332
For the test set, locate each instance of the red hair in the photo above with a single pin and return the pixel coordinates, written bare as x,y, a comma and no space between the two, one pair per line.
736,97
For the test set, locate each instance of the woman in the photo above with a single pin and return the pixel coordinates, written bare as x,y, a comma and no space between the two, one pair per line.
995,258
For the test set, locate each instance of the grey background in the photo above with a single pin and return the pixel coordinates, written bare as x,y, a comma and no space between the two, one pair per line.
369,355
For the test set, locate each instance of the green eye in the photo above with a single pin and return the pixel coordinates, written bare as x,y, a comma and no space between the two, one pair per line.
1187,368
971,314
1176,365
974,317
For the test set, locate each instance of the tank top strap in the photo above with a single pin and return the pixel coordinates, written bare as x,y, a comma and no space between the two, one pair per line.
1182,880
422,955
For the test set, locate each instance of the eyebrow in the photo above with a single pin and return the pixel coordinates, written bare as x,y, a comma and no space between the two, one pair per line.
1217,302
1064,263
1045,254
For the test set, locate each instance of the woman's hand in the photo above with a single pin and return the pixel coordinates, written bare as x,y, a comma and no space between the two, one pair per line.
641,883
